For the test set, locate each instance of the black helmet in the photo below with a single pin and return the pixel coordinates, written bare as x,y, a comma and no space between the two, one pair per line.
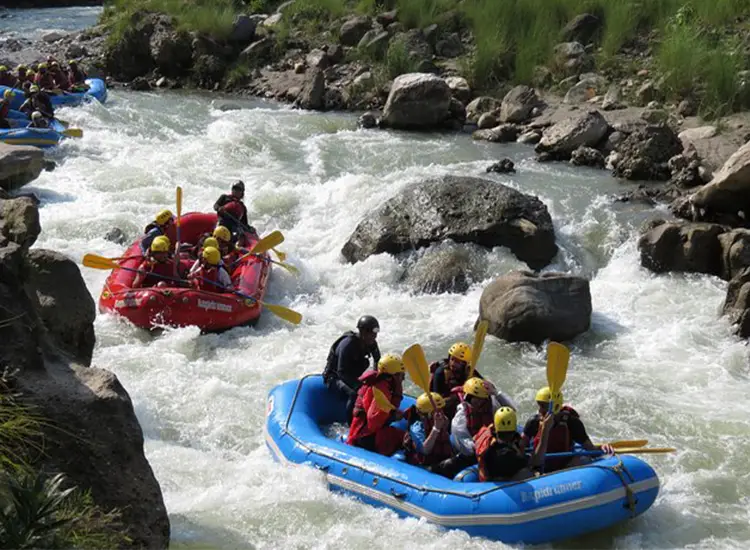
239,185
368,323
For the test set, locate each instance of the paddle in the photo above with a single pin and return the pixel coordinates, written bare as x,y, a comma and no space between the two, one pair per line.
382,401
73,132
264,245
280,255
557,366
625,444
476,350
99,262
179,216
630,451
418,369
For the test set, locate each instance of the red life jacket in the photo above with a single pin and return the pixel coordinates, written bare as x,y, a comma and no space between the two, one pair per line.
235,208
156,268
484,441
476,420
359,427
205,274
559,440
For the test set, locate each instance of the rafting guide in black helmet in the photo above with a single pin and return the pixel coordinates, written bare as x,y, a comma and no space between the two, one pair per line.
349,357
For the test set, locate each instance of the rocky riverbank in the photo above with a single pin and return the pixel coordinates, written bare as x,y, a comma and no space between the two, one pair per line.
90,432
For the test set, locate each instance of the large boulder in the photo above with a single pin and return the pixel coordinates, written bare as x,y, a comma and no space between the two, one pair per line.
19,222
583,28
463,209
63,302
560,140
735,252
130,55
19,164
171,50
681,246
313,92
100,447
729,190
417,101
524,307
645,154
571,58
518,104
737,303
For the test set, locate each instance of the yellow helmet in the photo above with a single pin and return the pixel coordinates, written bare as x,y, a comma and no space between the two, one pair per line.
223,234
7,94
211,255
544,396
391,363
460,351
163,217
22,68
42,66
475,386
210,241
505,420
160,244
425,406
3,69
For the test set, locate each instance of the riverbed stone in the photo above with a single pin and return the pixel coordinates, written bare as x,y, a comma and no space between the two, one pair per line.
681,247
526,307
463,209
417,101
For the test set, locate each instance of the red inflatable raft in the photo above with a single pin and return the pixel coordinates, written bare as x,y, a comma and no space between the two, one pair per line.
179,306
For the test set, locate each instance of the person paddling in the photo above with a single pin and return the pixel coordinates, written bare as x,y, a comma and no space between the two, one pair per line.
155,264
427,441
161,224
500,449
370,427
567,430
451,373
232,212
209,275
349,357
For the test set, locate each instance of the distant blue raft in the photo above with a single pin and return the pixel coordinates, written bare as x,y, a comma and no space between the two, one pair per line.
38,137
97,90
555,506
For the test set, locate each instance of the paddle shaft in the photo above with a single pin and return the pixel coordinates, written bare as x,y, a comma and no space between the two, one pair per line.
179,216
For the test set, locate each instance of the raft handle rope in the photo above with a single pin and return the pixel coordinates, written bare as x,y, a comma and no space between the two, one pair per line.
620,470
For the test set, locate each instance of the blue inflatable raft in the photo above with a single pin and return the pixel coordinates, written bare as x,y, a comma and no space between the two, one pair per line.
38,137
97,90
547,508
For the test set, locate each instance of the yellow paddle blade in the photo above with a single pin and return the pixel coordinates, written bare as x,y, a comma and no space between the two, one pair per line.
417,367
267,243
73,132
290,268
476,350
179,203
633,443
646,450
64,122
381,400
285,313
280,255
99,262
557,365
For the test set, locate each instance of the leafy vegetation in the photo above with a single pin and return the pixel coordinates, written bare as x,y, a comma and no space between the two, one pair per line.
694,41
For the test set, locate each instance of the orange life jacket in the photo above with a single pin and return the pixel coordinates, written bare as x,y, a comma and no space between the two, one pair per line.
484,441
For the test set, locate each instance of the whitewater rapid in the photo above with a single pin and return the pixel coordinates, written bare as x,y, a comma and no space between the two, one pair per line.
658,362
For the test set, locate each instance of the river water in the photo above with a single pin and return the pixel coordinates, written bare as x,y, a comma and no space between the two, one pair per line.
658,362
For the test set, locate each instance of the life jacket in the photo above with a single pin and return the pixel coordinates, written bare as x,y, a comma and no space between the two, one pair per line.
484,440
4,108
8,80
332,360
476,420
153,225
76,76
235,208
44,81
559,439
155,269
369,378
205,274
440,451
61,80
